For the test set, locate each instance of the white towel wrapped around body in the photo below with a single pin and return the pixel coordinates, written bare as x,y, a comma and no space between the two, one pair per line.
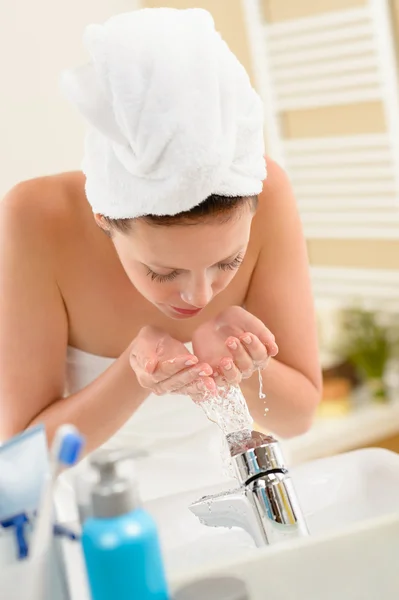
173,115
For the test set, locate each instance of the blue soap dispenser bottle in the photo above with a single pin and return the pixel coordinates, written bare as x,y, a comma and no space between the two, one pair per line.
120,540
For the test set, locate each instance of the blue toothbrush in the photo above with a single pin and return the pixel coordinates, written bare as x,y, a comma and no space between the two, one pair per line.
65,452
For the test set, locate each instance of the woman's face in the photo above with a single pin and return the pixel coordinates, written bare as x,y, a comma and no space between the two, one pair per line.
180,268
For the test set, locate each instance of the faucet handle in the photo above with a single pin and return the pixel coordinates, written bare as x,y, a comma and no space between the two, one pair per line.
229,509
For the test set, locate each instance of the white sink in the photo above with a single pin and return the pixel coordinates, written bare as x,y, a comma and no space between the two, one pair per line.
349,502
337,491
186,542
333,493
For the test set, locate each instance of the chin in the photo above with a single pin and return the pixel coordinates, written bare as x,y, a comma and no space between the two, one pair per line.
180,317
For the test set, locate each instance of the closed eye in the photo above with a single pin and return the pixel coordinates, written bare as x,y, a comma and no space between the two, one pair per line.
234,264
226,266
161,278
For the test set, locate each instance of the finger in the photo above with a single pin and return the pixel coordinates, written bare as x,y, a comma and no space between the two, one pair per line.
255,349
220,380
168,368
200,387
205,391
162,370
251,323
267,339
176,382
229,371
140,362
240,356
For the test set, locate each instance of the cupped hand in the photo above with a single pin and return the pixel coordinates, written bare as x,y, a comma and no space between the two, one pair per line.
163,365
235,344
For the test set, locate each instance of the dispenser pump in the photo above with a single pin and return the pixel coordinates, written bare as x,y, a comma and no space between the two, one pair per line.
120,541
113,495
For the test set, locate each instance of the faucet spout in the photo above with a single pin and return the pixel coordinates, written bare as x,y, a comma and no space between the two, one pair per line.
265,505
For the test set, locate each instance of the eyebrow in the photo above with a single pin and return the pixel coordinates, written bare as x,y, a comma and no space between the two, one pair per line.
214,265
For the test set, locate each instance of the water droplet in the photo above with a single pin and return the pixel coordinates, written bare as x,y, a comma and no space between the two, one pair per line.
261,394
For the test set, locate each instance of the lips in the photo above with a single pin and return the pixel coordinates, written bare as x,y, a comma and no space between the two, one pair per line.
190,312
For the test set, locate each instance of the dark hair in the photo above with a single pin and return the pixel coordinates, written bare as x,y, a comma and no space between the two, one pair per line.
215,205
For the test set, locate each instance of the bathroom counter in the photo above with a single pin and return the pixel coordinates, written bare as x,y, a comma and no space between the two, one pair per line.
363,426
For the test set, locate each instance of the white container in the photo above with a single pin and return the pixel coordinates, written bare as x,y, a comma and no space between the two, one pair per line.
17,577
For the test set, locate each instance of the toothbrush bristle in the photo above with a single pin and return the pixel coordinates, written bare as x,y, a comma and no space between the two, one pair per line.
67,445
70,449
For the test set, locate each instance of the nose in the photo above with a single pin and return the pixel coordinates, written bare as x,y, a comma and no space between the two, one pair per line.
198,293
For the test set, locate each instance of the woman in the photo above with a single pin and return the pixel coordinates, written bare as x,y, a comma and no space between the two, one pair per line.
185,245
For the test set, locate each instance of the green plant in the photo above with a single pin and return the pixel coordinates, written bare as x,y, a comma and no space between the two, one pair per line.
368,340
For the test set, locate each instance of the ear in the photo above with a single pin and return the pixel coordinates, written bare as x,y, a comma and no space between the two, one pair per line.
100,221
102,224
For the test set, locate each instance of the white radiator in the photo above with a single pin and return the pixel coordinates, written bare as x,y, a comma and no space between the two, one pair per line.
346,186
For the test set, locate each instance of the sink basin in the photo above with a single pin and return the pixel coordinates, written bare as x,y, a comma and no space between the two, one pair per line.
186,542
343,489
333,492
349,502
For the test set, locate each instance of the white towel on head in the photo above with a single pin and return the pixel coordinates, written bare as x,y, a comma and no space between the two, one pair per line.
174,117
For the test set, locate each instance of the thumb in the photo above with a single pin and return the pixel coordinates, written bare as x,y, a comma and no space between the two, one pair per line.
144,363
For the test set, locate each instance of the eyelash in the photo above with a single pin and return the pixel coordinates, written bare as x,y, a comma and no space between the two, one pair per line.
161,278
231,266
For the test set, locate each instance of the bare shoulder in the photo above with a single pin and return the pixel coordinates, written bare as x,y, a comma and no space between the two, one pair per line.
277,209
42,202
276,176
276,188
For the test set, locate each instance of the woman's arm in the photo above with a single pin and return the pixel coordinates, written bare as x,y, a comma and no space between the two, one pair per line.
280,296
33,339
101,408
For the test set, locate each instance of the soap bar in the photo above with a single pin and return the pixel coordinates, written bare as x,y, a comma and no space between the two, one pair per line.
215,588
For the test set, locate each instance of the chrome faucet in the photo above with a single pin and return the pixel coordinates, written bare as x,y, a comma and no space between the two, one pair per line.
265,505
